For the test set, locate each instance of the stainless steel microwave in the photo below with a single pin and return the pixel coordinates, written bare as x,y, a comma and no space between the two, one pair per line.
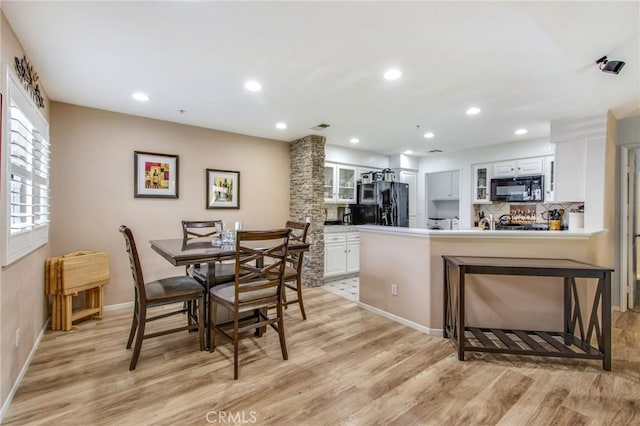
528,188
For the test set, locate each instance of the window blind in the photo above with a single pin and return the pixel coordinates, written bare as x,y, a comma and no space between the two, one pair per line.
26,173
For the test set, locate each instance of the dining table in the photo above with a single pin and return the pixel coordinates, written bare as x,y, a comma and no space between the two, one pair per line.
194,251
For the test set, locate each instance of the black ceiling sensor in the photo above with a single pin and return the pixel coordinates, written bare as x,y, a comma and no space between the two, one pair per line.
612,67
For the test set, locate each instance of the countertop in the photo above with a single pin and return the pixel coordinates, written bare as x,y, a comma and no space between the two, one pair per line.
332,229
478,233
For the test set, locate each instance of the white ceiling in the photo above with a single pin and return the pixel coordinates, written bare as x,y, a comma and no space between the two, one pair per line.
524,64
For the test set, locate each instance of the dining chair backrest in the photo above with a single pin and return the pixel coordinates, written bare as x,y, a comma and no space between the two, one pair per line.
299,231
196,229
134,262
260,262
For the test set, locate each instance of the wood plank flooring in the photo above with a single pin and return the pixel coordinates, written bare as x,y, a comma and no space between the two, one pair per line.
347,366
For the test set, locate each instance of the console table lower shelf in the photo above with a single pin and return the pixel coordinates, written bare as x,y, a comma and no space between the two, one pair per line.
565,344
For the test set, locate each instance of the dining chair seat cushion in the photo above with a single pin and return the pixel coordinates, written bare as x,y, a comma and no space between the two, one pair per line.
167,288
225,272
227,292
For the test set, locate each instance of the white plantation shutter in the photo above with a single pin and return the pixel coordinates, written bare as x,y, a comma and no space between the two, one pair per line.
26,162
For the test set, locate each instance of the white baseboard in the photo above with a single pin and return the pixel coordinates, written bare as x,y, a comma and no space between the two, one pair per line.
615,308
118,306
23,371
403,321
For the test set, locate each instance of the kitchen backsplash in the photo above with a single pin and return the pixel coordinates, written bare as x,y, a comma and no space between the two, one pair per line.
332,211
498,209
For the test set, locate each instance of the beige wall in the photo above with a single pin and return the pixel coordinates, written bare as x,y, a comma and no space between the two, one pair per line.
22,304
92,185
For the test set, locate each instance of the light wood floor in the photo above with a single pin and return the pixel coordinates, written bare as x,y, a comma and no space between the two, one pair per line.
346,366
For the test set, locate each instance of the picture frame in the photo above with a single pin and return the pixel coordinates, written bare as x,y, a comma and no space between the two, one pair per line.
155,175
223,189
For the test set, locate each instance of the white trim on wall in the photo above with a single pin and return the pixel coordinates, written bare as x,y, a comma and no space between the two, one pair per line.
7,402
403,321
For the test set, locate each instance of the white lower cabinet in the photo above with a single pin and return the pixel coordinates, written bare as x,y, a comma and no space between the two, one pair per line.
341,253
353,252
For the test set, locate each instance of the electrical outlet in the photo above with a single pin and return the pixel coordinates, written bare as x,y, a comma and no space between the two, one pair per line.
394,289
17,338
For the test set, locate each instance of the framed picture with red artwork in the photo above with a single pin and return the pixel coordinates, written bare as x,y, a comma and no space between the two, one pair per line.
155,175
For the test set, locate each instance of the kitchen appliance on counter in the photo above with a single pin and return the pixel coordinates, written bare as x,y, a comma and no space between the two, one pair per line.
389,201
388,175
439,223
363,214
528,188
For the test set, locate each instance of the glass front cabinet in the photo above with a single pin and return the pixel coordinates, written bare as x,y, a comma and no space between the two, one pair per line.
339,184
482,184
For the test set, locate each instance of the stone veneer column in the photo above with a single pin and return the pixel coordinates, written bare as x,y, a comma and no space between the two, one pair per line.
307,201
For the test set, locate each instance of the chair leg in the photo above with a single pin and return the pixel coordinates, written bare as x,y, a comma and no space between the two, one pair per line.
235,346
134,324
188,306
284,297
142,320
201,321
213,313
283,344
299,288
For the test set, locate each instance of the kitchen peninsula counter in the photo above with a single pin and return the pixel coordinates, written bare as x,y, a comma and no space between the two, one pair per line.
412,260
580,234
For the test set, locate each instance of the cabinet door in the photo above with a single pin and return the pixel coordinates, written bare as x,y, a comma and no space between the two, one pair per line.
335,258
346,184
353,253
481,184
529,167
455,185
504,169
440,185
329,183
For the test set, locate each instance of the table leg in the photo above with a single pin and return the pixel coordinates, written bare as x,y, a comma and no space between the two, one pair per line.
461,273
605,284
211,279
445,310
567,310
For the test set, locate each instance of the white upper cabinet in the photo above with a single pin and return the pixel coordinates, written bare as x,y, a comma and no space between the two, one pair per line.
513,168
444,186
339,183
481,184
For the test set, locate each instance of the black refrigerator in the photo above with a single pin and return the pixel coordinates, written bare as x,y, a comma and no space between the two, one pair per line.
382,203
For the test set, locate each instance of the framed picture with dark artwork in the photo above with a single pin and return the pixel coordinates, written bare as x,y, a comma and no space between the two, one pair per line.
155,175
223,189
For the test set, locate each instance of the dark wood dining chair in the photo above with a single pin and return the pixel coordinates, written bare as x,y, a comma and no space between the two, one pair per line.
160,293
259,270
201,229
293,270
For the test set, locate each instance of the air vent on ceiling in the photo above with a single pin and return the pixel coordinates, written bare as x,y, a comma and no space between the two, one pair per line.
321,126
434,151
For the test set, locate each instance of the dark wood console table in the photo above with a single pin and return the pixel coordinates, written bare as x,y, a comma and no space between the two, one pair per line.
527,342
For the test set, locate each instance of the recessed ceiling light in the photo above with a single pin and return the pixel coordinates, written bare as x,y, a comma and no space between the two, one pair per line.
139,96
253,86
521,132
393,74
281,125
429,135
354,140
408,152
473,111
